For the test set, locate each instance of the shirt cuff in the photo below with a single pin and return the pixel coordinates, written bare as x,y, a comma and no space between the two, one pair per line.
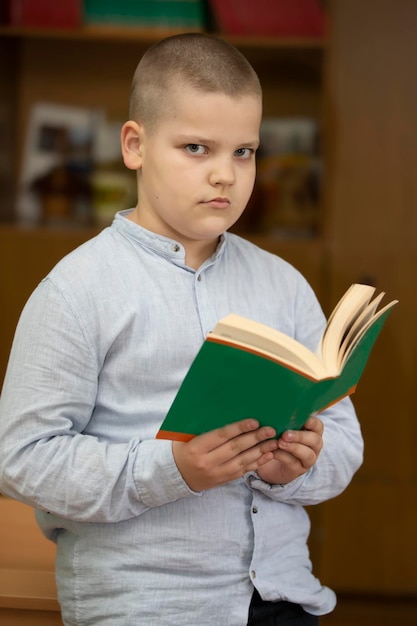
157,478
275,492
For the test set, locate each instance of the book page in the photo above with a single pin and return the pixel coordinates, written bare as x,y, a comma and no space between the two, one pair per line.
349,307
361,321
239,330
363,328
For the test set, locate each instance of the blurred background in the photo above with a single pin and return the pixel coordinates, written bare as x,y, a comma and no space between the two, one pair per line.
336,196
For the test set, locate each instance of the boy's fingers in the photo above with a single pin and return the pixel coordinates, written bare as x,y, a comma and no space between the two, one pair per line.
233,433
225,454
314,423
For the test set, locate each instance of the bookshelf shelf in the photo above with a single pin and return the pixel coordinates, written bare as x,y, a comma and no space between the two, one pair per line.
148,36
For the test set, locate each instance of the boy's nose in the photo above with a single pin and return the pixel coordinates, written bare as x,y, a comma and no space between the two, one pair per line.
222,172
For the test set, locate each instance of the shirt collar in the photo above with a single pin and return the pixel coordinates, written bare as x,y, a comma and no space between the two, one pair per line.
163,246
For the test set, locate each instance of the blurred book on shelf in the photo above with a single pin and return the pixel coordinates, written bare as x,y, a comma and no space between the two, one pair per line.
113,185
158,14
42,13
57,162
287,196
164,14
72,171
269,18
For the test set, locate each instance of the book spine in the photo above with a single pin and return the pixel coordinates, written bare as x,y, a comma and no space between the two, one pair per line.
282,18
45,13
148,13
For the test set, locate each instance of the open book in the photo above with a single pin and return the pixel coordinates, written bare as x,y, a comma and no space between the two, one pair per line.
247,369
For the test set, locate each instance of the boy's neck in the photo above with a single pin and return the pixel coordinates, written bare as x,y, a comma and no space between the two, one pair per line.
197,252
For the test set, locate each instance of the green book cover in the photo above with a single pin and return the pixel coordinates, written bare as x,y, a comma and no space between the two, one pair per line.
227,383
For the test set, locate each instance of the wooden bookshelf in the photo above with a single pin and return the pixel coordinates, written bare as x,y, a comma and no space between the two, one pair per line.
149,36
92,67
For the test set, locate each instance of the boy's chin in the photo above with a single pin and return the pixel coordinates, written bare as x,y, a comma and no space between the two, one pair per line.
219,226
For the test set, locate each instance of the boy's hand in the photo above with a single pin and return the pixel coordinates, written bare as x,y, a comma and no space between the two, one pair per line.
297,452
225,454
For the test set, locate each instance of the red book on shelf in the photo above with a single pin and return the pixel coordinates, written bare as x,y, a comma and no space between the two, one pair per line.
45,13
270,18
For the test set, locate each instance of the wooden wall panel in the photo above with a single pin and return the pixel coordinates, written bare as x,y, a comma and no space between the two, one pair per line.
368,541
369,532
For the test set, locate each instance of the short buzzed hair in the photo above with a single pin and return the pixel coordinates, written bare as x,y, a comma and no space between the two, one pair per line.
203,62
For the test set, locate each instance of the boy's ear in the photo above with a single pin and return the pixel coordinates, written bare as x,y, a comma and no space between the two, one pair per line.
131,142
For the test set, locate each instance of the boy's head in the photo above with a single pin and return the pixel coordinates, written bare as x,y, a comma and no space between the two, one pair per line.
193,132
196,60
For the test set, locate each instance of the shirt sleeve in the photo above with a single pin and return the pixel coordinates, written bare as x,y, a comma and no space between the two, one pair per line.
48,398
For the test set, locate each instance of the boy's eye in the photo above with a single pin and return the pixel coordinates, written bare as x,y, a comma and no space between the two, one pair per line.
195,148
244,153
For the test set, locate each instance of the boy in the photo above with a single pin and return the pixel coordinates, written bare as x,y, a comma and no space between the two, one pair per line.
209,532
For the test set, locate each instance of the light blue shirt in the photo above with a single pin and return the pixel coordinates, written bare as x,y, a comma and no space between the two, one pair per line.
99,353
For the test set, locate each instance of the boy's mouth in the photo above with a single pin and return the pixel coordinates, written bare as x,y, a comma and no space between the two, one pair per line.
218,203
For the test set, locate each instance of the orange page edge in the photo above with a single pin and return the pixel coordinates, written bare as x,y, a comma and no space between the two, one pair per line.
174,436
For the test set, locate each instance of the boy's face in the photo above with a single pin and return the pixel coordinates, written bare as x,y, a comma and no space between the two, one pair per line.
197,165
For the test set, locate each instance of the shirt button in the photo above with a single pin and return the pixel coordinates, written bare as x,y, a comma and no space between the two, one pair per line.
175,247
199,278
254,509
253,574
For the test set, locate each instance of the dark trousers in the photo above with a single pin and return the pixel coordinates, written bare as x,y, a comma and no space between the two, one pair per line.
262,613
